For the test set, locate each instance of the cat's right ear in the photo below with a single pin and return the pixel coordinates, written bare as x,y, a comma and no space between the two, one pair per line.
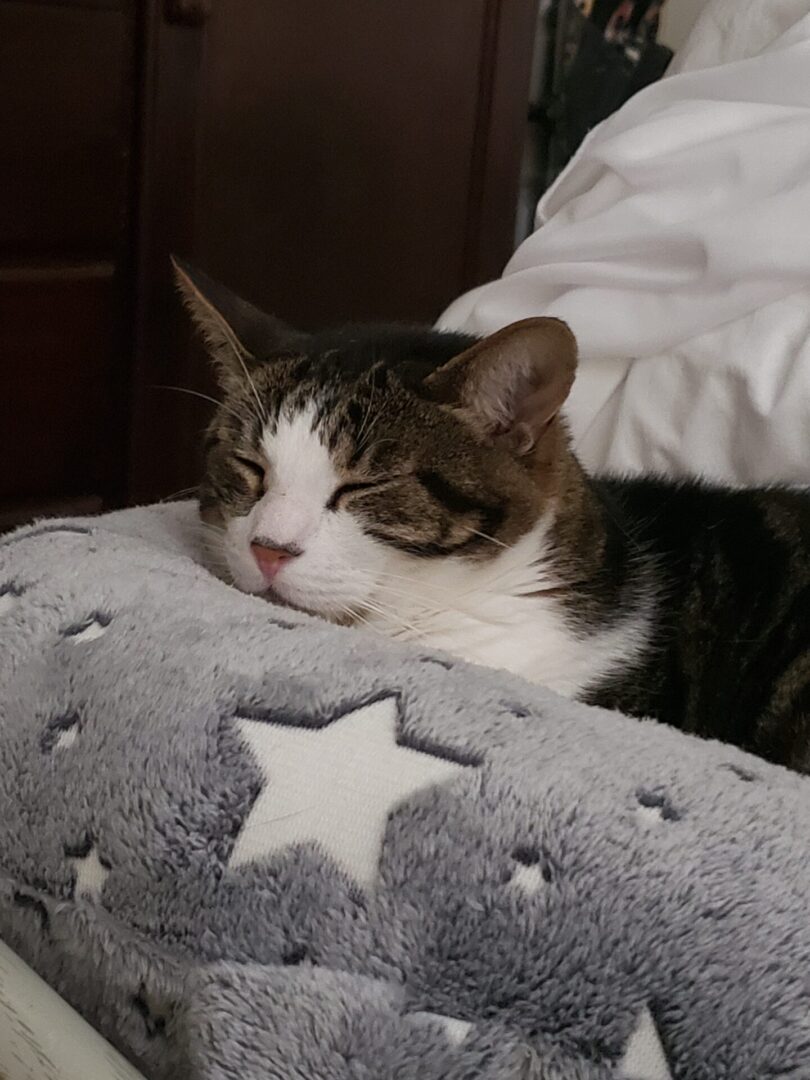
511,386
236,333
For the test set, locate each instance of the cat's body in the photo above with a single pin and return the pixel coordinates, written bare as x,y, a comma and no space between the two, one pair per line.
728,651
680,620
422,484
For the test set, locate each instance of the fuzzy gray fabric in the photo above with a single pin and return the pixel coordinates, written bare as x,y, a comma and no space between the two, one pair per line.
202,854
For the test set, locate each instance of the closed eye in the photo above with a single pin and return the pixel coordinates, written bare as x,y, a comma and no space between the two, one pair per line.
350,489
253,467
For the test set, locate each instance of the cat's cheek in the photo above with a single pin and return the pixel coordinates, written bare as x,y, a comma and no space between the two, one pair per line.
338,569
364,559
239,561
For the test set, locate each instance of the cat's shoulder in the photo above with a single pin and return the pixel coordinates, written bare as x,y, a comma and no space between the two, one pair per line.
686,505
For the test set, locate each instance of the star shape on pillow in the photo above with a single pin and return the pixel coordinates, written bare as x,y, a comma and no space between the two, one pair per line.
335,786
644,1057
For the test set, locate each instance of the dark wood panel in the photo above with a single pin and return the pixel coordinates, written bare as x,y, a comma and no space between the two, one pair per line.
337,143
165,424
317,158
329,161
65,128
92,5
503,115
63,383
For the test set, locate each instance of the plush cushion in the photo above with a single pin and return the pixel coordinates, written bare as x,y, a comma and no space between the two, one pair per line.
248,845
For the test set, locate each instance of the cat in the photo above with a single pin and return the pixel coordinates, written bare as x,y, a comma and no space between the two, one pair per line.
423,484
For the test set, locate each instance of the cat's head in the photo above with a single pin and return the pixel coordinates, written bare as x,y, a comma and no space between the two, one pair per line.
339,465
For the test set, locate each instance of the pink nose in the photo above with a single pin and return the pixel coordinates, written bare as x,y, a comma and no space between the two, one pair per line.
270,559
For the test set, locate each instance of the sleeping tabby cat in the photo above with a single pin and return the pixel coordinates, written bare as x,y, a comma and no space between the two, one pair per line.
423,483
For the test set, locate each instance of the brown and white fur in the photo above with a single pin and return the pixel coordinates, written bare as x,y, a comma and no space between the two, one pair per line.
422,484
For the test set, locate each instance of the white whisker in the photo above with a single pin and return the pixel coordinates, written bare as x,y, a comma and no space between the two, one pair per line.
204,397
409,579
355,616
428,612
366,416
180,494
492,539
261,415
392,616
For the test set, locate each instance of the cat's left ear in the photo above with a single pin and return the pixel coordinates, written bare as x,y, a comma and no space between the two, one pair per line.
234,330
510,386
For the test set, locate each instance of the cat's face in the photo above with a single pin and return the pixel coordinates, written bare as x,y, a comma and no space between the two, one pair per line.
339,465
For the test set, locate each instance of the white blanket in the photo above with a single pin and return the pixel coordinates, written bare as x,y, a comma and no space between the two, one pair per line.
677,245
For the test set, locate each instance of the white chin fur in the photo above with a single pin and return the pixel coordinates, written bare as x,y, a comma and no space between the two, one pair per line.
497,614
334,575
493,613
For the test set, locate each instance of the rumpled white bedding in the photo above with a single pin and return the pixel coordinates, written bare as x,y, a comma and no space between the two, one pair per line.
677,246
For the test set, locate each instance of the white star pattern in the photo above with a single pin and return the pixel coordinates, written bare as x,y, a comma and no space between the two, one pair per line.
529,879
8,601
456,1030
649,817
90,876
644,1057
66,738
333,786
90,632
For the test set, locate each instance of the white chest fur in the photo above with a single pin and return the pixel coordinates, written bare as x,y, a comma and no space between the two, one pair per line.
501,615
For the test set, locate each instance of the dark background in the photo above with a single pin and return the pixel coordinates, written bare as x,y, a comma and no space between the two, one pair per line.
332,160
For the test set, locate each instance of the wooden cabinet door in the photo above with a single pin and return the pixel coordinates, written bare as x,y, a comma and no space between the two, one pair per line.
332,161
67,99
